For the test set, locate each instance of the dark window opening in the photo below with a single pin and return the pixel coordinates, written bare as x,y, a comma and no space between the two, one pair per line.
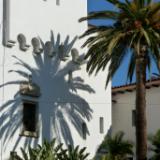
101,125
57,2
133,117
84,130
29,119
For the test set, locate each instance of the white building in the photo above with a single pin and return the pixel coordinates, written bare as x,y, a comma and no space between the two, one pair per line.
123,108
45,91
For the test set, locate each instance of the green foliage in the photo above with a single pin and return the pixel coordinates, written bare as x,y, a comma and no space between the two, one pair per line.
51,151
155,141
116,147
45,152
73,154
136,23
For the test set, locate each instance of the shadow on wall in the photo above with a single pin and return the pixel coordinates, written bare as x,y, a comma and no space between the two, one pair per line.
59,103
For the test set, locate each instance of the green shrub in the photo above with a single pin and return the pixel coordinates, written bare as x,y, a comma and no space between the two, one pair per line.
73,154
155,148
51,151
116,147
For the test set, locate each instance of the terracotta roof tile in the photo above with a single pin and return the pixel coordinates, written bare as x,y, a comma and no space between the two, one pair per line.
154,82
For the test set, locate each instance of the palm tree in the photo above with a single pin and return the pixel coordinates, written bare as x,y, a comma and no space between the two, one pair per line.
136,26
117,148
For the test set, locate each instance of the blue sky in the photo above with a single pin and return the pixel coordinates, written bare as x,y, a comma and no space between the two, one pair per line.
120,77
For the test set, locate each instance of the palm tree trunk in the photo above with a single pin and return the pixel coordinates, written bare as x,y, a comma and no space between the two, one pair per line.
141,122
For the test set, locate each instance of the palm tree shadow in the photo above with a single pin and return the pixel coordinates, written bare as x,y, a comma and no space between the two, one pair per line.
60,105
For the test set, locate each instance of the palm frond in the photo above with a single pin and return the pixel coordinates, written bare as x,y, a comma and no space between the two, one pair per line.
136,24
117,58
100,15
131,68
154,8
95,29
116,146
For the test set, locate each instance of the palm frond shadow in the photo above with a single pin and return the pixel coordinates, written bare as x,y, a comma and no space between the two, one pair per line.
60,105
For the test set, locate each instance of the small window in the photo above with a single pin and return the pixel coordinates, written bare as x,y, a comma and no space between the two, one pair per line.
29,119
101,124
84,130
57,2
133,117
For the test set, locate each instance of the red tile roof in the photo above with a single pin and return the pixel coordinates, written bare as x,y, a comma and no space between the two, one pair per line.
154,82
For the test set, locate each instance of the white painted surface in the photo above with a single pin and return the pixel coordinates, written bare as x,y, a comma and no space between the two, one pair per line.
122,112
37,18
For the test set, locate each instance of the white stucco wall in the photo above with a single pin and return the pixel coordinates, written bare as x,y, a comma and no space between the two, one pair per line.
122,112
36,18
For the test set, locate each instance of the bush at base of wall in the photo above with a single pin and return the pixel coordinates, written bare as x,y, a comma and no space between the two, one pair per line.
51,151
